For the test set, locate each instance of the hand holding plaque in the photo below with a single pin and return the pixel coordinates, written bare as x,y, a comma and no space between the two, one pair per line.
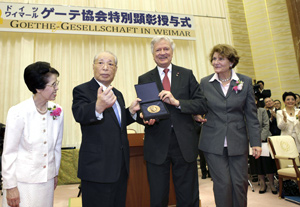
151,105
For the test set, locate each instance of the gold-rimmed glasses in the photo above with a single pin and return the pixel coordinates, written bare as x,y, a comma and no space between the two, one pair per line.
53,85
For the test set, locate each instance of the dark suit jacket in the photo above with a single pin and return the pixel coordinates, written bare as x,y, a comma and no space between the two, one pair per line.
104,142
261,97
233,116
273,125
185,88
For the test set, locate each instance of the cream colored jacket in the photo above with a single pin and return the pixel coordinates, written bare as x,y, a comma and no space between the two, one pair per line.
287,127
32,145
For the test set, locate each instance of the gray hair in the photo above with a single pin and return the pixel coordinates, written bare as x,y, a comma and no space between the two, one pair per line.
159,38
116,59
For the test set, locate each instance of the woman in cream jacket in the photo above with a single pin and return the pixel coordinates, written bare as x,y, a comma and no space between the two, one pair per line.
32,142
288,118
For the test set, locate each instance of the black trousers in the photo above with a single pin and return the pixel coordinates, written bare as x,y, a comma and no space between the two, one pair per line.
185,178
105,194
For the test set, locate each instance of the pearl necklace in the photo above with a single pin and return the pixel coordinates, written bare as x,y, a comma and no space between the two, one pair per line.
40,111
224,80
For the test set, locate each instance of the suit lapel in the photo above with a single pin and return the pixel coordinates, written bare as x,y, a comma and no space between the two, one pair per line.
155,77
175,81
121,104
218,88
230,89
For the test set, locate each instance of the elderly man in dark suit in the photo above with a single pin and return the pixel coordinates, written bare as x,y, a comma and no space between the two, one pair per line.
104,153
172,141
229,125
271,110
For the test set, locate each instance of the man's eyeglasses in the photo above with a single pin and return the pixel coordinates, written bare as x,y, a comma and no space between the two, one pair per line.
53,85
109,64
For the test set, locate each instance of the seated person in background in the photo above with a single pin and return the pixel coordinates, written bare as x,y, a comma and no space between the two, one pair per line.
287,118
271,110
297,101
262,93
277,104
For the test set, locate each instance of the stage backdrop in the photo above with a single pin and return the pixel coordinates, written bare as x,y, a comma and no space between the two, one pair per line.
72,54
259,29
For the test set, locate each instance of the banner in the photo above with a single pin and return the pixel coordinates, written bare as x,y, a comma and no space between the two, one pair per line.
15,17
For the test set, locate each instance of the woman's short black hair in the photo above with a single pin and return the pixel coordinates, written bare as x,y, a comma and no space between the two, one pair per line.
288,94
36,75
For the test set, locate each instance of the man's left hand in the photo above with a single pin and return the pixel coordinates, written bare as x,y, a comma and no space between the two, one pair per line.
135,106
167,97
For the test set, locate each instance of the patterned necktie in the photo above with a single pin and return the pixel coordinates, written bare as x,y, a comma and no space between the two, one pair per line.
117,112
166,81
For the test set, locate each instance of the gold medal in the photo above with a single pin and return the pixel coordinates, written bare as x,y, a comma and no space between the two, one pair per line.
153,109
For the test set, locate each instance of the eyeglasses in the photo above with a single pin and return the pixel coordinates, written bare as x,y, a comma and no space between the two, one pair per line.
54,85
109,64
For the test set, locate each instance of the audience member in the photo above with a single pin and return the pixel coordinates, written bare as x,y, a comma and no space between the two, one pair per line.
32,143
297,101
288,119
265,165
271,110
2,131
262,93
103,164
172,141
225,133
277,104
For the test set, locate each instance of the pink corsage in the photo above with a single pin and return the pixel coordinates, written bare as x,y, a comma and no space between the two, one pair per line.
238,86
55,112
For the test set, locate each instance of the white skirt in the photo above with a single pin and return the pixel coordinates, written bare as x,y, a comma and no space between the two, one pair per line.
34,195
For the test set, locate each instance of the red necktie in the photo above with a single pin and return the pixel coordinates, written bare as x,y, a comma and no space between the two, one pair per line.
166,81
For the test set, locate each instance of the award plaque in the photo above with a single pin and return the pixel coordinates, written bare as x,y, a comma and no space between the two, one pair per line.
151,106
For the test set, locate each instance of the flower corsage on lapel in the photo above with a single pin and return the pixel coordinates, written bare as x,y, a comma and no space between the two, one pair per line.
55,112
238,86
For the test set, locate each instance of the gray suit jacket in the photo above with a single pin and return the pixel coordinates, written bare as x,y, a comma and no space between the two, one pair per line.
233,116
264,126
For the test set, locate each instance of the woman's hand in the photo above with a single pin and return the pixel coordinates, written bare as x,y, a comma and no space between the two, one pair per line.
284,116
55,182
256,152
13,197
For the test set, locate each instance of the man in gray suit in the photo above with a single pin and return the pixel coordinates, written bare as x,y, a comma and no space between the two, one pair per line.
231,119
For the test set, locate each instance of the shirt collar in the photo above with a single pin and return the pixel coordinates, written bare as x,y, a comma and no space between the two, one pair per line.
161,70
104,87
233,77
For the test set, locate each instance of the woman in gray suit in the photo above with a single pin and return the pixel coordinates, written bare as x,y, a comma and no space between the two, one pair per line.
229,125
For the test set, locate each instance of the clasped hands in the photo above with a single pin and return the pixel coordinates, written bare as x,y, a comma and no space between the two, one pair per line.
106,99
167,97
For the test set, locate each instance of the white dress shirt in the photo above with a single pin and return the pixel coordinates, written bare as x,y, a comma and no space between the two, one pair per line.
225,89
